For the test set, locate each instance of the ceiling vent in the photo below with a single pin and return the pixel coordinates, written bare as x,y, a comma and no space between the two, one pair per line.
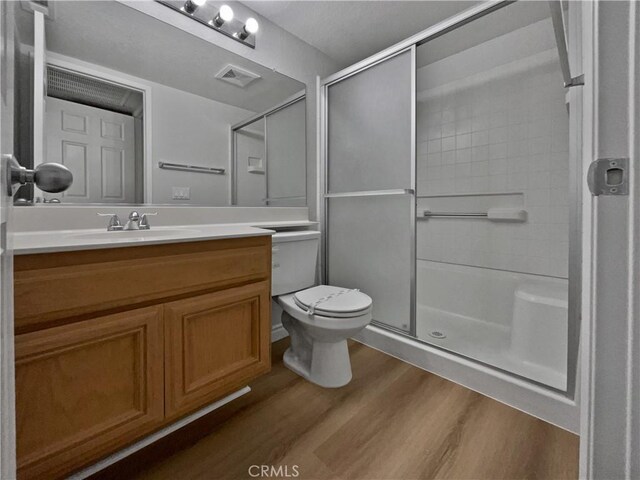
237,76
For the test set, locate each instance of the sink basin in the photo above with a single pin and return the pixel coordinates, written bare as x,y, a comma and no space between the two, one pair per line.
136,234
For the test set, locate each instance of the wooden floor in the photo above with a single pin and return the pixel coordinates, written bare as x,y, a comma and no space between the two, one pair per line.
393,421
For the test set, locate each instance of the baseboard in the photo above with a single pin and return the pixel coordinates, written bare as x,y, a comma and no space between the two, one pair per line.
278,332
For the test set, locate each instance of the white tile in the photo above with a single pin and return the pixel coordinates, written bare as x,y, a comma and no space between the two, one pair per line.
463,155
479,169
480,153
479,123
448,129
463,126
463,140
449,157
448,143
497,166
498,119
463,170
434,159
480,138
434,132
434,146
480,184
498,183
448,116
498,150
498,135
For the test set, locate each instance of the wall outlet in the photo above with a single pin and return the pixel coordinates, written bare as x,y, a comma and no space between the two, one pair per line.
181,193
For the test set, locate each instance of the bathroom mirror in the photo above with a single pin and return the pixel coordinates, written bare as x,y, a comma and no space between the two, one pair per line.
145,112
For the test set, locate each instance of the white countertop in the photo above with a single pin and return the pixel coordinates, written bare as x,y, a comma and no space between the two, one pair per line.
90,239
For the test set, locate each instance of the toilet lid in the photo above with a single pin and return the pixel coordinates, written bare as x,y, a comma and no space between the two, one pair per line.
331,301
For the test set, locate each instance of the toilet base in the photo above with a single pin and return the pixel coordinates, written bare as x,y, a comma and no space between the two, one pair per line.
324,363
329,365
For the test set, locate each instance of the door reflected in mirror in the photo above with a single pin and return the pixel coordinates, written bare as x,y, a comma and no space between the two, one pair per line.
144,112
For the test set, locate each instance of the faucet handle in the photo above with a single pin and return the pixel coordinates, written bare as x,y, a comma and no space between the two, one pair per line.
144,221
114,221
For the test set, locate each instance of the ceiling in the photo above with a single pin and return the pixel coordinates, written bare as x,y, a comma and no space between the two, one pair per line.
497,23
120,38
349,31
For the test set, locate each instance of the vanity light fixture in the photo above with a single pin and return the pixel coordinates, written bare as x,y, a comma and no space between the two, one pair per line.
225,14
190,6
249,28
217,16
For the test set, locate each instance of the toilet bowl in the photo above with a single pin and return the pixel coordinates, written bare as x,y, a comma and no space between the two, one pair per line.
318,319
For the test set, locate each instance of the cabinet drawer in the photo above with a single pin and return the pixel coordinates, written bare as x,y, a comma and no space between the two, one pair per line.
214,344
51,289
84,389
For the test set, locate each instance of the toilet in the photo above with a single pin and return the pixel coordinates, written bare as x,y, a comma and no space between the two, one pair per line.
319,319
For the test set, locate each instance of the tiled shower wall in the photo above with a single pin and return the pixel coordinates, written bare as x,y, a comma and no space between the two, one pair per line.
502,130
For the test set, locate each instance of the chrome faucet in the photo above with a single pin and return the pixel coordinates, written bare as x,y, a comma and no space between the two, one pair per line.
136,221
144,221
133,223
114,222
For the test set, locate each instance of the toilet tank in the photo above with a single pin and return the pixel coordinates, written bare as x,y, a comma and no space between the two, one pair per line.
293,261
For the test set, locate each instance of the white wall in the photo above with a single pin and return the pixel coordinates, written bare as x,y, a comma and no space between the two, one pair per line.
194,130
275,48
492,120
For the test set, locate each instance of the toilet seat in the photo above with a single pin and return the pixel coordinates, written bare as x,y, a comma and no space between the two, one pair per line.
333,302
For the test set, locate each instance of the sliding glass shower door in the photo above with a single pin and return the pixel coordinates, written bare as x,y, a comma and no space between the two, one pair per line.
369,186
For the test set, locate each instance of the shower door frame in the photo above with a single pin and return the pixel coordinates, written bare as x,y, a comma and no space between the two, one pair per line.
575,238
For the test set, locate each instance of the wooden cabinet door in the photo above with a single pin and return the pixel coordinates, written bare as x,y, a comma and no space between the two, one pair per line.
85,389
215,344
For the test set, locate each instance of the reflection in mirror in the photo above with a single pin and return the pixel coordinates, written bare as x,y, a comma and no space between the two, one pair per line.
143,112
268,156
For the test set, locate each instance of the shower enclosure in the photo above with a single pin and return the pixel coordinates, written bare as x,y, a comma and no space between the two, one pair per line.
450,189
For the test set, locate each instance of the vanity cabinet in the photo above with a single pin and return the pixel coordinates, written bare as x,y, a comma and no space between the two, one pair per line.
114,344
83,389
213,345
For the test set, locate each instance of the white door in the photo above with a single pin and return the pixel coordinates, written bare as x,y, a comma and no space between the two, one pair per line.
97,145
7,383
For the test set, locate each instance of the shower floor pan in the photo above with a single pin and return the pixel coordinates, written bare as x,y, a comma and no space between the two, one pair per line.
487,342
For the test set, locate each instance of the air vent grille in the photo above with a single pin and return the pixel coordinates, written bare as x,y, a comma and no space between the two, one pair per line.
74,87
237,76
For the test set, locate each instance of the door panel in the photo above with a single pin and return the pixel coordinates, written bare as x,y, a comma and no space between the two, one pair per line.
370,242
98,146
85,388
215,343
369,128
286,155
370,205
74,157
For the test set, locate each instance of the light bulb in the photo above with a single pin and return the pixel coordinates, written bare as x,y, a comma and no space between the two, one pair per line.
191,6
252,25
226,13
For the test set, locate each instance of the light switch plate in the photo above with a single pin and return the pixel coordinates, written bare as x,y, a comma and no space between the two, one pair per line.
181,193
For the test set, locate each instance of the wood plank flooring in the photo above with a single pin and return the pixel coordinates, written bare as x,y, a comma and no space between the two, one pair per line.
393,421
